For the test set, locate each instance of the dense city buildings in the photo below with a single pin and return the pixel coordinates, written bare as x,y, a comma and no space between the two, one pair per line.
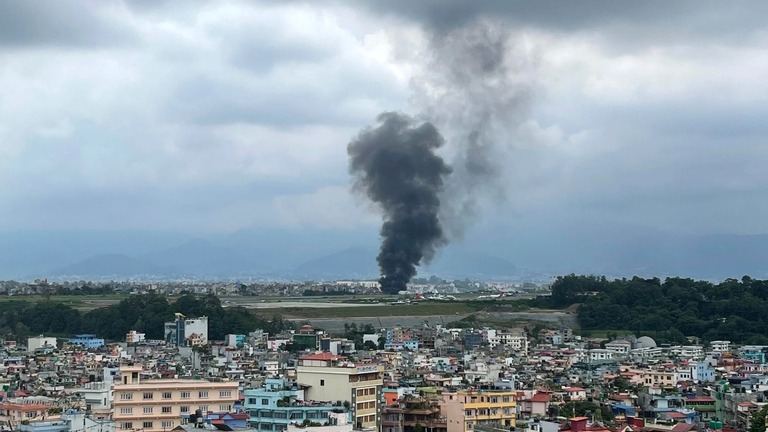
461,376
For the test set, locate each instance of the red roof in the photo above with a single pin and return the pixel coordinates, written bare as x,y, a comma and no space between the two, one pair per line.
573,389
675,415
682,427
540,397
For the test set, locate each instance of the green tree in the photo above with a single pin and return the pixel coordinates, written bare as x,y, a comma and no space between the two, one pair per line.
757,421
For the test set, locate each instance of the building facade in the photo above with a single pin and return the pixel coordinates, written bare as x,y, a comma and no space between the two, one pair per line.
330,377
466,410
279,403
158,405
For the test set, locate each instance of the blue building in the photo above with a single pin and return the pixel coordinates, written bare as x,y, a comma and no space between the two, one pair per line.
280,403
88,341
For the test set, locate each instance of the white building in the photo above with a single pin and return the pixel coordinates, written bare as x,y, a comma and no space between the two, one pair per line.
134,337
600,355
41,341
687,351
720,346
620,347
183,329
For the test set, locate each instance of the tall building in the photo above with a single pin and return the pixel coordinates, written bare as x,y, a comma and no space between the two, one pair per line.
467,410
157,405
185,331
330,377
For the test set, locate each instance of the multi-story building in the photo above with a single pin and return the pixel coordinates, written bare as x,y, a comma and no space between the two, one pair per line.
185,331
465,410
88,341
280,403
410,411
332,378
135,337
157,405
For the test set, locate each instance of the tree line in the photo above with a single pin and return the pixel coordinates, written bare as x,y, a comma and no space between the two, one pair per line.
144,313
670,310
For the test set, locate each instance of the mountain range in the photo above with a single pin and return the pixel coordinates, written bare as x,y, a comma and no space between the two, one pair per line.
287,255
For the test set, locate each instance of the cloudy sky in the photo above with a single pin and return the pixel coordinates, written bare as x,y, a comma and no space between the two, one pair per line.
210,117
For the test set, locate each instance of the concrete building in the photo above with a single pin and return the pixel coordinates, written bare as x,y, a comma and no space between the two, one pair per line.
332,378
135,337
88,341
39,342
466,410
158,405
185,331
279,403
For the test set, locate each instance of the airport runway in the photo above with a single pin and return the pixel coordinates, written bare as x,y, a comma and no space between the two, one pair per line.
334,325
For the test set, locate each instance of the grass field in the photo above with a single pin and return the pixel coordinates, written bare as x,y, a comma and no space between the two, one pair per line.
413,309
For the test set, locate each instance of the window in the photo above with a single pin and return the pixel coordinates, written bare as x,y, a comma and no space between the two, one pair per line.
148,410
265,401
126,396
126,425
185,395
126,410
204,408
184,409
167,410
202,394
147,425
149,396
251,401
167,425
167,395
505,399
224,407
225,393
322,382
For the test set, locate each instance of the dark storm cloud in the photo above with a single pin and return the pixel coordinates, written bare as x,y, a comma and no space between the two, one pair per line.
29,24
675,19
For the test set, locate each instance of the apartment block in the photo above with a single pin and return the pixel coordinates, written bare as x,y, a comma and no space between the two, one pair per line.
466,410
330,377
158,404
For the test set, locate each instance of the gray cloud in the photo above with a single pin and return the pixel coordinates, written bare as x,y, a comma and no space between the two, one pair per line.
638,113
66,23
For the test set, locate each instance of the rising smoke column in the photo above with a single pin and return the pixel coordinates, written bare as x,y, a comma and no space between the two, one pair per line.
476,83
396,165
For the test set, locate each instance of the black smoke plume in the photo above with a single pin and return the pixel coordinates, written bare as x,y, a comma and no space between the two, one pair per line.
396,165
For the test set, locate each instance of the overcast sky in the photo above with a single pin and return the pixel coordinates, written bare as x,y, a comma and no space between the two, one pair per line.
209,117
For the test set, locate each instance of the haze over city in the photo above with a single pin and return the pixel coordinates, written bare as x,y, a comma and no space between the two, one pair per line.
141,137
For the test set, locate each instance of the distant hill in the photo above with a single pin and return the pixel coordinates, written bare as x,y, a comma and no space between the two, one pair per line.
100,266
458,263
355,262
203,258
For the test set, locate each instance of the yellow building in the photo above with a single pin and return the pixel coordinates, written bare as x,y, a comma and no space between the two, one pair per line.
332,378
158,404
465,410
